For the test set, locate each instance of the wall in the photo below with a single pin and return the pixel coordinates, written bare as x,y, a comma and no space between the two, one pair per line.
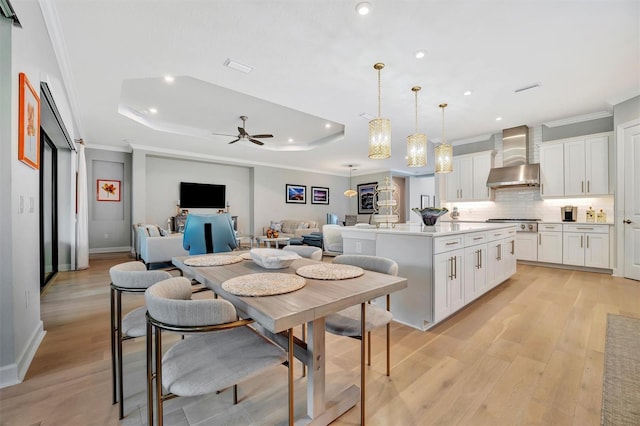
109,221
419,186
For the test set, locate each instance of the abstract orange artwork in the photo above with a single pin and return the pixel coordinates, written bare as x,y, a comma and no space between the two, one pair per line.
28,124
108,190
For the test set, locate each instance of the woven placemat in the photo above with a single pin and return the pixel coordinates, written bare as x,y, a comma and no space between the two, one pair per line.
212,260
263,284
329,271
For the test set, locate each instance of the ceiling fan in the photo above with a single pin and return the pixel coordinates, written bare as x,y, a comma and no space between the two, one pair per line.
243,135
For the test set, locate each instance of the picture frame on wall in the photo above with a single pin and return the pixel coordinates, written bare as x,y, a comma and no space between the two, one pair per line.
319,195
367,197
108,190
296,194
28,123
425,201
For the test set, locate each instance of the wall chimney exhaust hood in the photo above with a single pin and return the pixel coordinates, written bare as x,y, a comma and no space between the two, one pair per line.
516,171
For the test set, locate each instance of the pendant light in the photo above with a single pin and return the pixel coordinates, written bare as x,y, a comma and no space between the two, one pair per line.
379,130
417,142
350,192
444,151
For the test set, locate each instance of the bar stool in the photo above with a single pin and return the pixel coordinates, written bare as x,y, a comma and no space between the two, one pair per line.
128,277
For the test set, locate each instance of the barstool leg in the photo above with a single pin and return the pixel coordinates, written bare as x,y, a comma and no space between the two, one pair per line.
149,375
304,339
362,363
388,338
113,346
119,343
290,381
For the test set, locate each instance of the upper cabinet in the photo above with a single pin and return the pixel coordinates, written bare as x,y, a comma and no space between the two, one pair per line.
575,167
468,181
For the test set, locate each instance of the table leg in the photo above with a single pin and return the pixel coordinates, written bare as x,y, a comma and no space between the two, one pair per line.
316,368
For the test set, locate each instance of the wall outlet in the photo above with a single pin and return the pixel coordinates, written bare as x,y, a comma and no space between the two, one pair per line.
358,247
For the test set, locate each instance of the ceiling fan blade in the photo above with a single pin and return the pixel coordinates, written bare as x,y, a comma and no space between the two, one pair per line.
257,142
261,136
234,141
242,132
223,134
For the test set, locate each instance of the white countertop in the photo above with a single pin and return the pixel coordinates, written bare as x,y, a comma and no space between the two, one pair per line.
441,229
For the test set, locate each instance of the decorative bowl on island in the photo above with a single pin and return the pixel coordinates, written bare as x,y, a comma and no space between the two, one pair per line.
430,215
270,258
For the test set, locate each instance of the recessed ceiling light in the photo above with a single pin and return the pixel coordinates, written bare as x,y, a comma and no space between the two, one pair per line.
420,54
498,118
238,66
290,140
327,126
169,78
363,8
467,93
153,110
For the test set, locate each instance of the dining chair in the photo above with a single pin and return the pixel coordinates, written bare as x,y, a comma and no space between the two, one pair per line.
127,278
310,252
210,233
219,350
347,322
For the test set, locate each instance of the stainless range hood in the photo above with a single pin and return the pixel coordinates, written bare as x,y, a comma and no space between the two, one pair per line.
516,170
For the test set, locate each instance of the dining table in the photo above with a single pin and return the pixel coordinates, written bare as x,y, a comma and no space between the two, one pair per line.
275,316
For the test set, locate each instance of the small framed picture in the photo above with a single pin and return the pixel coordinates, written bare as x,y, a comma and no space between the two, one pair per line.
28,123
367,198
319,195
108,190
296,194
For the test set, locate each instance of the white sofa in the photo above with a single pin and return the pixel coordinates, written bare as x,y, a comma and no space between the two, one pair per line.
293,228
155,248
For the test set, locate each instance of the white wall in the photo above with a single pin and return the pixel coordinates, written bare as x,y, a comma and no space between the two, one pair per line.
419,186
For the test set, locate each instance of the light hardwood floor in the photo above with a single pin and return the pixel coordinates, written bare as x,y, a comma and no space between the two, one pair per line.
528,352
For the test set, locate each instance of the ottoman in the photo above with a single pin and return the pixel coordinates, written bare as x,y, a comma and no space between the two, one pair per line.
313,239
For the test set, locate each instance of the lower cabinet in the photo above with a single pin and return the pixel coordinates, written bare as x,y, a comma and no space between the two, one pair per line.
527,246
586,245
550,243
501,257
448,291
475,272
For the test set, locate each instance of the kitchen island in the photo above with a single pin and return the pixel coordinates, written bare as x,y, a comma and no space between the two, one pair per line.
448,266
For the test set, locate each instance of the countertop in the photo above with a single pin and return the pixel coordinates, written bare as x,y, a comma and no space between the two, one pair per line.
441,229
541,222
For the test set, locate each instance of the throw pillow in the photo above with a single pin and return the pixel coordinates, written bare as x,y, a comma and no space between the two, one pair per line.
276,226
153,230
163,232
303,225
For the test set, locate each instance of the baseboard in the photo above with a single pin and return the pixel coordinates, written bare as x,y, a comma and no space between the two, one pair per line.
109,250
64,267
14,373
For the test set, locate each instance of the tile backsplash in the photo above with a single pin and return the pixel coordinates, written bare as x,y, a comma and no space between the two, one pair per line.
525,203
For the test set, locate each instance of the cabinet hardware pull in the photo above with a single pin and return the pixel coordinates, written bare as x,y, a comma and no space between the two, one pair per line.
590,229
588,186
542,188
477,259
451,268
627,221
477,238
496,235
539,239
455,267
452,243
480,253
581,241
582,189
513,247
587,241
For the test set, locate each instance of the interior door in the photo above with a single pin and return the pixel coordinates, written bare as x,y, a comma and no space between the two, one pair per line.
632,202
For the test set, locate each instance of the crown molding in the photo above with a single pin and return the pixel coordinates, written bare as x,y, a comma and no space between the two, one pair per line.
578,119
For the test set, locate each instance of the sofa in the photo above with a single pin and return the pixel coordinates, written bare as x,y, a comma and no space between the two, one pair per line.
292,228
154,245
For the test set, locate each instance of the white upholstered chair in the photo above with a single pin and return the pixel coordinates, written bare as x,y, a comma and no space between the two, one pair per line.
332,239
219,351
128,278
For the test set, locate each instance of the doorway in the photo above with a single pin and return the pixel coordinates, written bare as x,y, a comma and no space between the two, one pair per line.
631,193
48,210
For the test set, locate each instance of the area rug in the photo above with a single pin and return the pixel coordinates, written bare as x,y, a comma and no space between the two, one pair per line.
621,387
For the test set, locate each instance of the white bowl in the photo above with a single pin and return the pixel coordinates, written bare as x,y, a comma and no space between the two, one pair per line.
273,258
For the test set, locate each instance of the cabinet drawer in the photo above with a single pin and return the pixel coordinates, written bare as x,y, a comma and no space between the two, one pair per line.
475,238
443,244
593,229
550,227
497,234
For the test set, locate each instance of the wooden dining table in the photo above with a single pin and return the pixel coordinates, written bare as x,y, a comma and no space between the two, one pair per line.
276,316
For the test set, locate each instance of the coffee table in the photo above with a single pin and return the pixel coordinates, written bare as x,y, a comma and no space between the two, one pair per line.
267,241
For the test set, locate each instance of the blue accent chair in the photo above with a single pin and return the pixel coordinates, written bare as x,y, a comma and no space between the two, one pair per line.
332,219
209,233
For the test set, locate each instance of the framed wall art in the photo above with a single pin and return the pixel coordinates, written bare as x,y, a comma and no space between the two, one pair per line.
108,190
425,201
296,194
319,195
367,197
28,123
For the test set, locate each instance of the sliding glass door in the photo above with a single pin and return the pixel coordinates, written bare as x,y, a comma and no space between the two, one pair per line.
48,210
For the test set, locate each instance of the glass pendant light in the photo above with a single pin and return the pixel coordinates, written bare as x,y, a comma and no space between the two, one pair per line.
444,151
417,142
379,130
350,192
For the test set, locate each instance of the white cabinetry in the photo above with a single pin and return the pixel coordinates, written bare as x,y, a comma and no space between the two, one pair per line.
475,266
527,246
448,292
575,167
586,167
551,170
501,256
468,181
586,245
550,243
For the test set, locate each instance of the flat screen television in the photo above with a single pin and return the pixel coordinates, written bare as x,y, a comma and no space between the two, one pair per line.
202,195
